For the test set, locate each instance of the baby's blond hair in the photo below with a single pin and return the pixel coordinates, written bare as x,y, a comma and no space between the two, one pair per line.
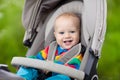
72,15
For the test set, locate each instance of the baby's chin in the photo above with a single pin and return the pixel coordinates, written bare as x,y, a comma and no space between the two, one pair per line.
67,47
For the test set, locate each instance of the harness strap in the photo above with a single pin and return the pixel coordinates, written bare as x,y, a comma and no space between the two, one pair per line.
51,51
69,54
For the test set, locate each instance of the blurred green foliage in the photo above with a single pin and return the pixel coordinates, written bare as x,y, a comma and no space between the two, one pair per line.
12,31
109,63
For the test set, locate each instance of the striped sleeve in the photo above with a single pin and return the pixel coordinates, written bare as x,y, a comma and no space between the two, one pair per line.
75,62
42,55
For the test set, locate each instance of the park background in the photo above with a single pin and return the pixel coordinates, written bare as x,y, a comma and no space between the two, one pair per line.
12,32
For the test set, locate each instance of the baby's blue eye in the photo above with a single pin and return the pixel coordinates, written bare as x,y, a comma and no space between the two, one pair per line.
61,32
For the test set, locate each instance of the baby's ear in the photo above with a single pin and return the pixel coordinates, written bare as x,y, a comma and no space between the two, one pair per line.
54,34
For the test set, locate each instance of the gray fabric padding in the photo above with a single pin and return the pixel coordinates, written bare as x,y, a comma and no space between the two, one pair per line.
74,6
49,66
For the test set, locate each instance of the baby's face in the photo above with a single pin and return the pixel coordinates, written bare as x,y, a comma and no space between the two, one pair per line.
67,32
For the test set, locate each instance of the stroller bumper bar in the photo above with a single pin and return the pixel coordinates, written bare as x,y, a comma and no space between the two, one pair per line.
49,66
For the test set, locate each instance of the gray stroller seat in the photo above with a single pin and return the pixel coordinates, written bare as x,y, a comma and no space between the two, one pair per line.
38,20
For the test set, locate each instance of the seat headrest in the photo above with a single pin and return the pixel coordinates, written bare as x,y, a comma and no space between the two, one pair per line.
74,7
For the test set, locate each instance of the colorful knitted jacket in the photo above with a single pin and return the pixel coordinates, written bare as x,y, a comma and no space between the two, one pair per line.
74,62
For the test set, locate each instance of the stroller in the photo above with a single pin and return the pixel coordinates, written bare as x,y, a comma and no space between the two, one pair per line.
38,19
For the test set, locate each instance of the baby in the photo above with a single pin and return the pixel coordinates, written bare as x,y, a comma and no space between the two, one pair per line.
67,35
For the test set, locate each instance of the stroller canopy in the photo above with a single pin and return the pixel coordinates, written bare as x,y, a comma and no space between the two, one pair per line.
39,18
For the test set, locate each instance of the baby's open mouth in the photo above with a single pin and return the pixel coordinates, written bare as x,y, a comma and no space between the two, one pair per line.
68,41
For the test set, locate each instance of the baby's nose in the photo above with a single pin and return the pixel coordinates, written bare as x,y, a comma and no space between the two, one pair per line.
67,35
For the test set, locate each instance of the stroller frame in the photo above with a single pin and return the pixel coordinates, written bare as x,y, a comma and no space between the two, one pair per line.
93,32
